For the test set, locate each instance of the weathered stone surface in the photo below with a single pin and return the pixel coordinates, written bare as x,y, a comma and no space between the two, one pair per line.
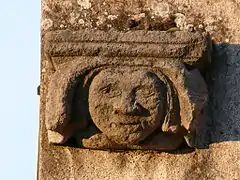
220,127
220,18
180,44
137,99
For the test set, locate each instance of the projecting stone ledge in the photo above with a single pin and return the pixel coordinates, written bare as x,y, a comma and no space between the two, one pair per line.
182,45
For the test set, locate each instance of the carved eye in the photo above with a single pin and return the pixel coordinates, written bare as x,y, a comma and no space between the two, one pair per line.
110,91
144,92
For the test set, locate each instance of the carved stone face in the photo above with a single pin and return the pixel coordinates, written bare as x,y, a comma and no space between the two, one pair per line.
127,104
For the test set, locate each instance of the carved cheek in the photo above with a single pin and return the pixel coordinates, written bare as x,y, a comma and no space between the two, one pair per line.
101,109
100,105
149,100
107,107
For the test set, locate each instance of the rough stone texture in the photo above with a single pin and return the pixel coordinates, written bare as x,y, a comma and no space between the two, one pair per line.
139,92
220,18
218,161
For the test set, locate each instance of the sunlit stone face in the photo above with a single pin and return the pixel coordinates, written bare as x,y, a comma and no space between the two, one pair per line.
127,104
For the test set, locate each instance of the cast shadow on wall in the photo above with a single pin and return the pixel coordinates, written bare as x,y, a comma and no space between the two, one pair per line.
224,93
222,119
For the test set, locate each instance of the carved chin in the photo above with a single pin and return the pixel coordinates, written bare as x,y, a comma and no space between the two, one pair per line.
128,133
126,139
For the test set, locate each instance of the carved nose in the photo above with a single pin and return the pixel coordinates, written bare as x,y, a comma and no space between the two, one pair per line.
125,106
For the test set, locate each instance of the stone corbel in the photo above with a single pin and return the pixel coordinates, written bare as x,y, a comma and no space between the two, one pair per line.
125,90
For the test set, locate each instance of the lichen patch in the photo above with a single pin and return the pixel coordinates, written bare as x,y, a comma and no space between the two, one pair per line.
160,8
85,4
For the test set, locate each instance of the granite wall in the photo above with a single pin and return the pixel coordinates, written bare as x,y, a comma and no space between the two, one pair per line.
217,155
